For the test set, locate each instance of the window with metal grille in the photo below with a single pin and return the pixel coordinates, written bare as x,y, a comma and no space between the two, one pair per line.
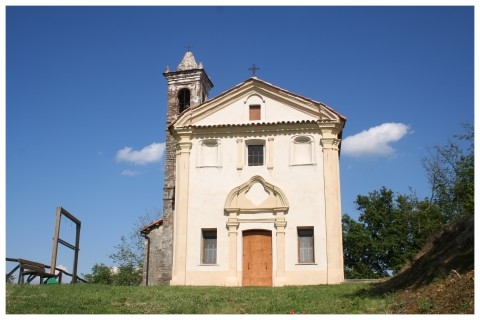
305,245
209,246
255,155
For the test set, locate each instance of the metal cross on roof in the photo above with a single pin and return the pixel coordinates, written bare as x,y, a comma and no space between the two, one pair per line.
189,46
254,69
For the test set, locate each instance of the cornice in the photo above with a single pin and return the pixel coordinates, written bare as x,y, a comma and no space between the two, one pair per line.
257,128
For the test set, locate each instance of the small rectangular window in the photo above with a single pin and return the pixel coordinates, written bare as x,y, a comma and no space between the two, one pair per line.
209,246
255,155
305,245
255,112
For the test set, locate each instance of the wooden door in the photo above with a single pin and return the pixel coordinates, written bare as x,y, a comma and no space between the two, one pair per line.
257,258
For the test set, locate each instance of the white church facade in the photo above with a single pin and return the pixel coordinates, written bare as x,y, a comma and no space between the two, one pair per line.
255,193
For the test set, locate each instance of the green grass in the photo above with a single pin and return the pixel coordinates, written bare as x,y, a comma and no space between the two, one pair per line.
348,298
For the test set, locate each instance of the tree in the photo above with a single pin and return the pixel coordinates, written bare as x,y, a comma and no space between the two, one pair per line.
425,219
101,274
128,258
390,231
358,251
387,227
127,275
450,172
129,253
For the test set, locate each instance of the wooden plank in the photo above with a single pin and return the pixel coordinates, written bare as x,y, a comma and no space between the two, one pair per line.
33,268
257,258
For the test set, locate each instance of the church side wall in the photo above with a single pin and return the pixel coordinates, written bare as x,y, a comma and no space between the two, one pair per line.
152,265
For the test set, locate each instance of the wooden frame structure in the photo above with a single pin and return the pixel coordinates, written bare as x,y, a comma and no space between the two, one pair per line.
56,240
33,269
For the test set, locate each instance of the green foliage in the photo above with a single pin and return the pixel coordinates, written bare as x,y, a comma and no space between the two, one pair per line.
450,172
129,251
425,219
127,275
348,298
425,305
358,249
101,274
393,228
390,231
128,257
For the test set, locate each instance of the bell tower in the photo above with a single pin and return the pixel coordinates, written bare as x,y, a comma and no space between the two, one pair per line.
187,87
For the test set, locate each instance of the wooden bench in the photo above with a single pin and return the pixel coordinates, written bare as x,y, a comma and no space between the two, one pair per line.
32,269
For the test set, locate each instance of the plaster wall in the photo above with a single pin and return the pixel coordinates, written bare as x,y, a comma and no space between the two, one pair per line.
237,112
208,190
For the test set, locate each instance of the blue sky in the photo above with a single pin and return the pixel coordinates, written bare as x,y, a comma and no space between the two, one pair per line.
86,98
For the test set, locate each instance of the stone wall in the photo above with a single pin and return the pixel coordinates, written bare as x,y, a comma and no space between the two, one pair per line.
199,84
153,249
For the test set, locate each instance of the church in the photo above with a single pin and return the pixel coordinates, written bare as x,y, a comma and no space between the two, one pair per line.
251,188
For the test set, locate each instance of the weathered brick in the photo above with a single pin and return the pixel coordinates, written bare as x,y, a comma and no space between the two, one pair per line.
198,83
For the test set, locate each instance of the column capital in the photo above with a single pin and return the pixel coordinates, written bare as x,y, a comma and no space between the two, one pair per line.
184,138
280,225
280,222
330,143
232,225
232,221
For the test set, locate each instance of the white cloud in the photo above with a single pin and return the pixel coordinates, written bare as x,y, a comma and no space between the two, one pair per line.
149,154
61,267
374,141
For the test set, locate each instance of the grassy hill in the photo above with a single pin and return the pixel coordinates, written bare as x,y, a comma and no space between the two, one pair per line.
440,280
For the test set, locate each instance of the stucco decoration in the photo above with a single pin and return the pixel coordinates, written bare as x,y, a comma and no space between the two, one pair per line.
256,195
254,98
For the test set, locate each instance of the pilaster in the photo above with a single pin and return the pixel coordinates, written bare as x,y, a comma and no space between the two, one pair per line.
181,208
333,218
232,225
280,224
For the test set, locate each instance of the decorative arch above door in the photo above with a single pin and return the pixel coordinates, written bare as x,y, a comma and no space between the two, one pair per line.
247,204
256,195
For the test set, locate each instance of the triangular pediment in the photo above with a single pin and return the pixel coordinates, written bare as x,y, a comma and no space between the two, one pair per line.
277,105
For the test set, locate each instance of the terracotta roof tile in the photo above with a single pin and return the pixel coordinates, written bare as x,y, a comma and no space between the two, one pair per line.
149,227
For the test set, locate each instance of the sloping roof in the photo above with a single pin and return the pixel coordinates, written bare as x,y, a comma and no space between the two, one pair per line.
154,225
188,62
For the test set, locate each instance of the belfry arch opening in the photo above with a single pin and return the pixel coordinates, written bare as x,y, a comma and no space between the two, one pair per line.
183,100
